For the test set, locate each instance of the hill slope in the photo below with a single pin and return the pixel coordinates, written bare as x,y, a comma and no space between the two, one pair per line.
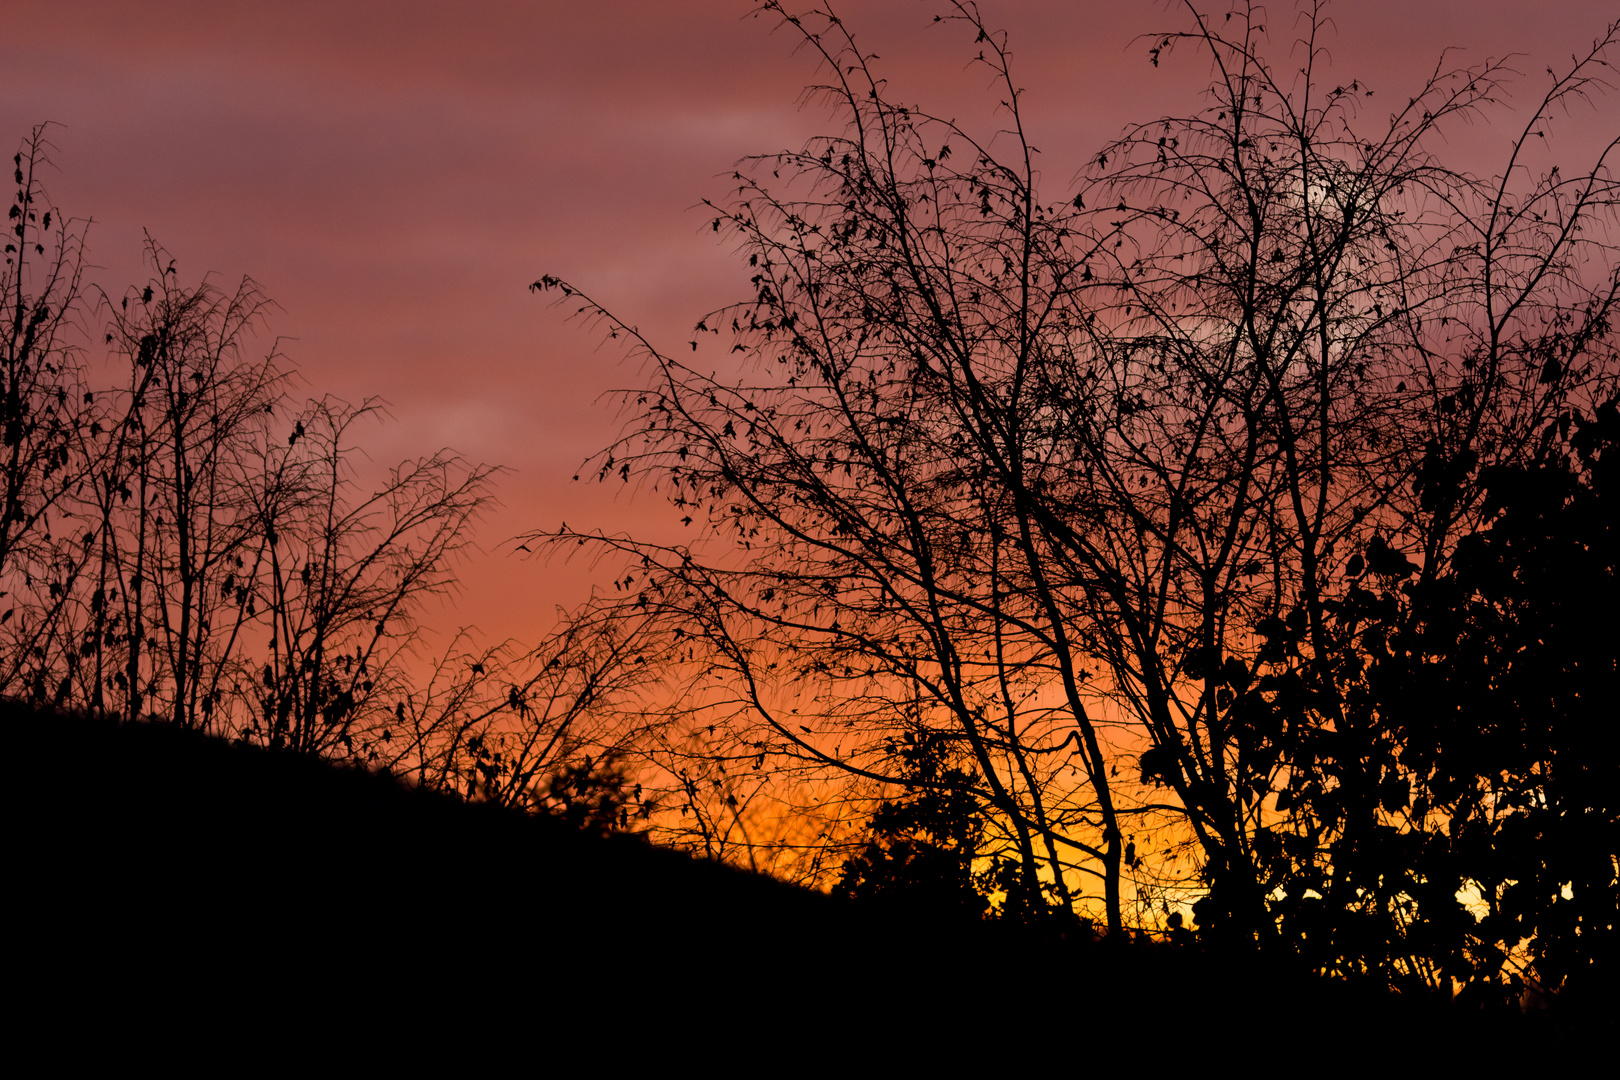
176,883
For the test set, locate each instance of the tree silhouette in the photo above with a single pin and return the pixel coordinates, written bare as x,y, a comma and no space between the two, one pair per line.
881,563
183,541
1151,470
173,493
1321,338
1490,679
342,578
255,594
45,418
555,727
922,849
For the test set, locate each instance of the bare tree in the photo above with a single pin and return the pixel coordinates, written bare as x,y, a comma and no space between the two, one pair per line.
542,727
203,522
885,580
1069,484
44,419
179,541
181,465
342,579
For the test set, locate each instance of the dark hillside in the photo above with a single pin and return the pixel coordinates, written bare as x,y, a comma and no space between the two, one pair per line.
159,838
192,882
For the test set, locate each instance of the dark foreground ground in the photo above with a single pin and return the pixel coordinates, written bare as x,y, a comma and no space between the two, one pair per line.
170,893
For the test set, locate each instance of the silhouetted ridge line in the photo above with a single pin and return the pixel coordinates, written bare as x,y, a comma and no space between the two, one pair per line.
164,870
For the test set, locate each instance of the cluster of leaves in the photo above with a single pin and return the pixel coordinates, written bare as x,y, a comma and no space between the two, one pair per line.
1455,824
924,851
1488,681
931,853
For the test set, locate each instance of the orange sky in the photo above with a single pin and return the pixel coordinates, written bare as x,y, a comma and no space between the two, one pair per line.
395,173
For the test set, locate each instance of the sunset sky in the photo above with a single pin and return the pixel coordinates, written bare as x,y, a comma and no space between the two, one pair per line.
395,173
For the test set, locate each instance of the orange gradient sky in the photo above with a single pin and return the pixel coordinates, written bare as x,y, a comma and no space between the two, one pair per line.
395,173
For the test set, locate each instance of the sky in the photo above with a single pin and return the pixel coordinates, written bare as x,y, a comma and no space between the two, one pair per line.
394,174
